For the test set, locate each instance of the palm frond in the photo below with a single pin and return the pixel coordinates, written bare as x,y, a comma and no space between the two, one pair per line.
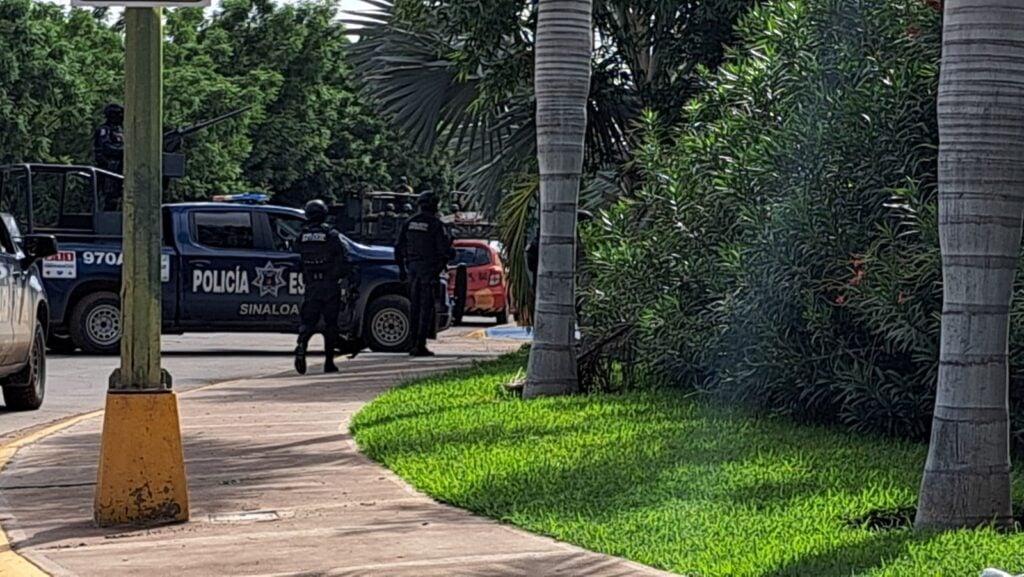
514,219
488,123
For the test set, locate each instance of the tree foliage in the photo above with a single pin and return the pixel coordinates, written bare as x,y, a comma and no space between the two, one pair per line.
459,74
308,133
784,251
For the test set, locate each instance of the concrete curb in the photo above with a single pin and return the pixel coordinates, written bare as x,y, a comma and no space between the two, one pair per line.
11,563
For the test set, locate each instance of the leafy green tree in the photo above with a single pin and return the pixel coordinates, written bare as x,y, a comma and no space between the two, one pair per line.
308,133
311,135
56,67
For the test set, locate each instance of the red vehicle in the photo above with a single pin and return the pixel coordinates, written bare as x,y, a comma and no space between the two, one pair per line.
486,284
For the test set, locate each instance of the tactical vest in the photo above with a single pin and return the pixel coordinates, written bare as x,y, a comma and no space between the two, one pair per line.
319,262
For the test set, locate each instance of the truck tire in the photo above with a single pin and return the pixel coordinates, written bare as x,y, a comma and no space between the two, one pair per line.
24,390
503,318
388,325
96,323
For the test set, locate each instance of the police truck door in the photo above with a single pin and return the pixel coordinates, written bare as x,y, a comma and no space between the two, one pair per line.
219,266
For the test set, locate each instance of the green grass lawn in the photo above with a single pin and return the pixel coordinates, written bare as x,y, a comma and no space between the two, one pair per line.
659,479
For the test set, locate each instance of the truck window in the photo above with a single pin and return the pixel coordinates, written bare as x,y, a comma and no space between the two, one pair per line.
62,200
111,192
284,230
78,201
224,230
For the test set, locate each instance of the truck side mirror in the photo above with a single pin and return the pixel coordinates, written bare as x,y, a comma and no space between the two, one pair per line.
38,247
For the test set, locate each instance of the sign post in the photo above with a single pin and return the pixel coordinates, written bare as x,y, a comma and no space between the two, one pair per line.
141,476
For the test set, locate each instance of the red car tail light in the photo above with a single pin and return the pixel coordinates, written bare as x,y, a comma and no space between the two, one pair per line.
495,279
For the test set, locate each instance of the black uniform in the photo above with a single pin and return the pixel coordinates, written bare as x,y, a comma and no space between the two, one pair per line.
423,251
324,264
108,142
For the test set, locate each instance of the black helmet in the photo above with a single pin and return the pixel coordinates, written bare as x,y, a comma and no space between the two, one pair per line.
316,211
113,110
429,200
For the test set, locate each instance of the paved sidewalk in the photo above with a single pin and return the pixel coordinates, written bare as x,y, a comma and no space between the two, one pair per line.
277,487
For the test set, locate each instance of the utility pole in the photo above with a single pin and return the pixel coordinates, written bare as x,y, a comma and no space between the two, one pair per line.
141,477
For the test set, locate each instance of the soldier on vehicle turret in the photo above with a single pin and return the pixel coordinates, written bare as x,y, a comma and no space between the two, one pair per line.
324,264
108,141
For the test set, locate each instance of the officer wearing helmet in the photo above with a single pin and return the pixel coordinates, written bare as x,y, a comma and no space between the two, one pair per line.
108,142
422,252
324,262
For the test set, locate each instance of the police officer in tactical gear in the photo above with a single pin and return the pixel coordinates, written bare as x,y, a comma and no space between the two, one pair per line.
324,260
108,142
423,251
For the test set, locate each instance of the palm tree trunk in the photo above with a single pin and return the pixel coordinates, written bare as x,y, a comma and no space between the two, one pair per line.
981,203
562,84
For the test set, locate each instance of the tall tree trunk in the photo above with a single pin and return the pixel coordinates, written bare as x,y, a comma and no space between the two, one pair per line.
562,83
981,203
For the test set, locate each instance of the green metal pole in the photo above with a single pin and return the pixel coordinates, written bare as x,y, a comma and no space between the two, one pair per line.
140,288
141,477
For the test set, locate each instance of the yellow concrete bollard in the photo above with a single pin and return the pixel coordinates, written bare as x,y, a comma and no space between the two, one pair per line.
141,478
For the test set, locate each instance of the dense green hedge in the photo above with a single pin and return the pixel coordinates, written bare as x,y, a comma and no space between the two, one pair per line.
785,250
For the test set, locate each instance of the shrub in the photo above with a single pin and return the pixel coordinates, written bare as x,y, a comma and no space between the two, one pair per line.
784,250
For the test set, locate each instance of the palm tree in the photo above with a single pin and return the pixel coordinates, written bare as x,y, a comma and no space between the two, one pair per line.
981,202
564,43
647,56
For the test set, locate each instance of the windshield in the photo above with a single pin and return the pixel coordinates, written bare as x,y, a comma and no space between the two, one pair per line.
471,256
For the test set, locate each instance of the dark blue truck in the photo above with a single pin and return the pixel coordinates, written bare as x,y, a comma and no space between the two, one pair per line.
226,267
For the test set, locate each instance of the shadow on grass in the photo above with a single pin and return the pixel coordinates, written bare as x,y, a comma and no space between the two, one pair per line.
852,559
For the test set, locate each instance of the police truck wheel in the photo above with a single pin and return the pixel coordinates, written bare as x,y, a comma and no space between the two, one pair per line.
96,323
388,325
26,389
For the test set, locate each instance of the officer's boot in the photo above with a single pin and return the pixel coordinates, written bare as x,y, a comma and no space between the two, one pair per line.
329,366
300,359
421,350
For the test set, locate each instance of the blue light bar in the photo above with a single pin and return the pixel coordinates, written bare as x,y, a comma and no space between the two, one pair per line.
247,198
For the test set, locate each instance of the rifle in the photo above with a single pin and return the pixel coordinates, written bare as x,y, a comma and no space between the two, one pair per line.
174,161
173,139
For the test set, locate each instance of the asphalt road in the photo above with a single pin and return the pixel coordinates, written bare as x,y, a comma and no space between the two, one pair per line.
77,384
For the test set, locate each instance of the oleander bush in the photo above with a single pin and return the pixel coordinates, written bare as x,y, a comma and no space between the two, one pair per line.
784,252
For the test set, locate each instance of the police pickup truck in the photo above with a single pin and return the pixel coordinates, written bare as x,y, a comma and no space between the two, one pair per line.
226,266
